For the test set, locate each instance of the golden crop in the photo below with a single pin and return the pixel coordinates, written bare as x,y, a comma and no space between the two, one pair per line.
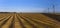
16,20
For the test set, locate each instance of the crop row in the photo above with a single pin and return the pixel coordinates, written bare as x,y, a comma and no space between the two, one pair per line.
27,21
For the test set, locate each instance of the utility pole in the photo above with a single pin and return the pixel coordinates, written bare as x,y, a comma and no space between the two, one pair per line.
53,9
53,6
48,10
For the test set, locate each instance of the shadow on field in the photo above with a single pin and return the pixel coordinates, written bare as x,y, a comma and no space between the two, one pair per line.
54,16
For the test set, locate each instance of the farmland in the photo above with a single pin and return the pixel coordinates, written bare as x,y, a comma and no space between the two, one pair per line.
27,20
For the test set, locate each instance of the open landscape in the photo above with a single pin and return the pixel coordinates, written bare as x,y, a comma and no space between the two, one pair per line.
28,20
29,13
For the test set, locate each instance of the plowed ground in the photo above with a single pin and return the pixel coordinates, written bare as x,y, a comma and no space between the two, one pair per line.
25,20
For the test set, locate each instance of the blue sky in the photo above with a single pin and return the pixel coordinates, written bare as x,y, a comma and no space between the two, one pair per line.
28,5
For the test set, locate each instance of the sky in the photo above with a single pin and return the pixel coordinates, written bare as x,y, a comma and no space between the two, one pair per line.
29,5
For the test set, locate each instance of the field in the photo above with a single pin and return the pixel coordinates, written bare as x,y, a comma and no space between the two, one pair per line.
53,16
27,20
